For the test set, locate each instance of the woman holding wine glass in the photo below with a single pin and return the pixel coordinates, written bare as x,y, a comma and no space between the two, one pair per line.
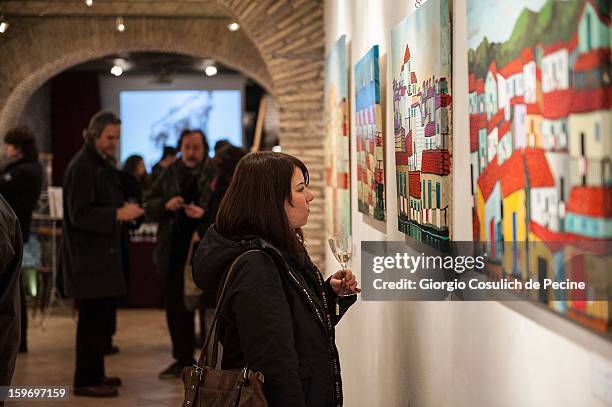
279,313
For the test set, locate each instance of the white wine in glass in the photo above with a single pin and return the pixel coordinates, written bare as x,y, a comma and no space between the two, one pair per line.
341,248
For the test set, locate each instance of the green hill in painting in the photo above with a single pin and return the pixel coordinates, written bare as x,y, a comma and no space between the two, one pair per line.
556,21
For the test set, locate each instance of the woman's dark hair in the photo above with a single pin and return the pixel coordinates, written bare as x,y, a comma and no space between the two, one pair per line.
224,164
201,133
254,203
168,152
23,140
130,165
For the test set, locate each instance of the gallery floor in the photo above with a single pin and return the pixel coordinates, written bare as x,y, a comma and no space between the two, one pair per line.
145,350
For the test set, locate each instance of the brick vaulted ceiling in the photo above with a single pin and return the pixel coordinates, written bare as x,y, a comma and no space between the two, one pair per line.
280,45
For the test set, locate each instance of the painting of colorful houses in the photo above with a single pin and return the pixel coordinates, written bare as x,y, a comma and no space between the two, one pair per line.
338,210
540,102
370,147
421,67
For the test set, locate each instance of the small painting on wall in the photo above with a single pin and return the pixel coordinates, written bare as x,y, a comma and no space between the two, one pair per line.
369,138
338,209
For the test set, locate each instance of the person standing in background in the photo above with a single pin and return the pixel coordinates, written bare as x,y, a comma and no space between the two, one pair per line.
11,249
168,157
21,178
176,201
94,210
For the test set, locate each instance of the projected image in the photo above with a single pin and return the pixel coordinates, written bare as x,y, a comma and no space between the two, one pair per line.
153,119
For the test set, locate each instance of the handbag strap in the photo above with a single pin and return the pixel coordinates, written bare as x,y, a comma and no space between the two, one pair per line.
203,359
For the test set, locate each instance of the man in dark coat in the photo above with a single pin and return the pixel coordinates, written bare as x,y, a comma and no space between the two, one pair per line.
11,248
176,201
94,208
20,184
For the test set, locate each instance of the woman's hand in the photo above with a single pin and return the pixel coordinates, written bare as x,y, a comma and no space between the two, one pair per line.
343,282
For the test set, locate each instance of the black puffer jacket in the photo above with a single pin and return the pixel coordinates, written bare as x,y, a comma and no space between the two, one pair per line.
20,184
278,318
11,248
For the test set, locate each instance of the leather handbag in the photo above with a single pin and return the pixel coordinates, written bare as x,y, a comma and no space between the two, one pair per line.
207,386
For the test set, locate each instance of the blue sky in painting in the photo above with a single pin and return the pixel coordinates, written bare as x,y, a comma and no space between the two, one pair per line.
367,79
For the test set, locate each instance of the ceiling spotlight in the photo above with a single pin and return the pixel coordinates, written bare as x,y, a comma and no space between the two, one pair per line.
4,25
119,23
116,70
89,3
233,26
210,70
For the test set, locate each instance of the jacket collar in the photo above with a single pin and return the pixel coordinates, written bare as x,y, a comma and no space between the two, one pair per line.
94,154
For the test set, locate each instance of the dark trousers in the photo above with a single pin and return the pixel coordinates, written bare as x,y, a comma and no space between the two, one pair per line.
94,328
180,320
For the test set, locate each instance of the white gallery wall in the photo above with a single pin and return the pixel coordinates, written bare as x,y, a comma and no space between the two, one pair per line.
442,353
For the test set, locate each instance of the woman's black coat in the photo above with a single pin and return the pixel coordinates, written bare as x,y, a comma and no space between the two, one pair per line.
276,319
91,242
20,184
11,248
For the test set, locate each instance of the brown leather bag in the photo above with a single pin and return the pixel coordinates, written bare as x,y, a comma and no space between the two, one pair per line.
206,386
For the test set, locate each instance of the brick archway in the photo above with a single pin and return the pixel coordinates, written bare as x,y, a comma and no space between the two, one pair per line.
280,45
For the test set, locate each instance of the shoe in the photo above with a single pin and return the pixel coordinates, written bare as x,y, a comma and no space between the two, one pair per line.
173,371
99,390
113,350
111,381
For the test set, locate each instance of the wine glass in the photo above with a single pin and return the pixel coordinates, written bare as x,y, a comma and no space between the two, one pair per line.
341,247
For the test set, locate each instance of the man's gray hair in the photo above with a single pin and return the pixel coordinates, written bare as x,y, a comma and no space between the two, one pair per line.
97,124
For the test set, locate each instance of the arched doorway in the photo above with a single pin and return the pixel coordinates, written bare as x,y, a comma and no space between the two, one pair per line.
280,45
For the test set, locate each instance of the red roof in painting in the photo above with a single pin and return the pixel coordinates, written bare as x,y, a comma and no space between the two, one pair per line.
554,240
590,100
488,178
414,184
592,59
477,122
496,120
557,46
527,55
504,129
401,158
512,68
435,162
517,100
512,173
557,104
538,169
472,83
407,54
591,201
480,86
413,78
533,108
